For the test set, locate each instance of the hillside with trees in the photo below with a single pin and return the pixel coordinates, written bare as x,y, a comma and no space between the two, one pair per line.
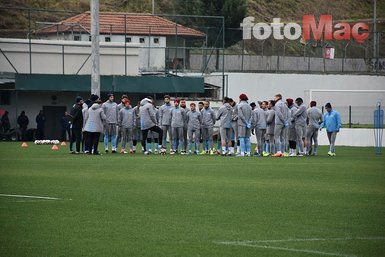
15,22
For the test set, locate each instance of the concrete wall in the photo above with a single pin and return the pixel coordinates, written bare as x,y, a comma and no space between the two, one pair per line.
263,86
351,137
152,59
280,63
32,103
152,56
47,57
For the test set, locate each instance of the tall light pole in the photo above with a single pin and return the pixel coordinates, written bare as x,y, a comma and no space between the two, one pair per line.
153,7
374,28
95,55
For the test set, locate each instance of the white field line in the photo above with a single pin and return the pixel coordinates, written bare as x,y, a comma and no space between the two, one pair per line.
288,249
256,244
31,196
312,239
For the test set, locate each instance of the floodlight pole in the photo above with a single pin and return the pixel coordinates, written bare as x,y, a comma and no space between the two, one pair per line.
95,55
374,28
223,57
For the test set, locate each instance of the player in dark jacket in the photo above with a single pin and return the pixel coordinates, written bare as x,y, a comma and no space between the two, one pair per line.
77,124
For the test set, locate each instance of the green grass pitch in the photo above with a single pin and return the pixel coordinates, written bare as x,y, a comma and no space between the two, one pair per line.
153,206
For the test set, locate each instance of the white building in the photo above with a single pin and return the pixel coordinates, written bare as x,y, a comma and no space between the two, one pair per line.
163,42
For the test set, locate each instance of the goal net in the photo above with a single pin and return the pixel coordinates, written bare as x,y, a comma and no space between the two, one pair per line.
356,106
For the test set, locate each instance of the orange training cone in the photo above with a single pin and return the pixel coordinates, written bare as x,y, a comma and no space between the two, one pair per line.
54,147
63,143
24,144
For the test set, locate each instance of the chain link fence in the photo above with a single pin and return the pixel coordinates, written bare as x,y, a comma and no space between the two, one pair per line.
304,56
168,43
356,116
197,43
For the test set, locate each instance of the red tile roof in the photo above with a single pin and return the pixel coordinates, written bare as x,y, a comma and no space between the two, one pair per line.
113,23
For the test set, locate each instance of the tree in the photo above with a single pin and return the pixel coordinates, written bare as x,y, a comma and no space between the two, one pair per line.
233,12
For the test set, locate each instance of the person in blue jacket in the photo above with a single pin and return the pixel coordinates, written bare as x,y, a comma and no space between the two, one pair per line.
332,123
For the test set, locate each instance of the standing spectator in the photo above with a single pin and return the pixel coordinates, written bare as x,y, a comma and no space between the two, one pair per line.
77,124
23,122
94,126
314,117
165,121
208,121
110,109
332,123
244,125
40,121
148,122
65,127
5,123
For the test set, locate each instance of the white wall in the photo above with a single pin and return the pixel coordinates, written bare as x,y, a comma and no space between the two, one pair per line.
152,59
33,102
113,38
351,137
151,55
263,86
47,57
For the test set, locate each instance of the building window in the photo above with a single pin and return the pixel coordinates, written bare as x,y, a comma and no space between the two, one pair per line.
141,40
5,97
128,40
156,40
76,38
89,38
107,39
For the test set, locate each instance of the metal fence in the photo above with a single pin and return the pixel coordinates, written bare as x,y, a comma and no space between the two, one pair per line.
206,53
356,116
308,56
159,52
